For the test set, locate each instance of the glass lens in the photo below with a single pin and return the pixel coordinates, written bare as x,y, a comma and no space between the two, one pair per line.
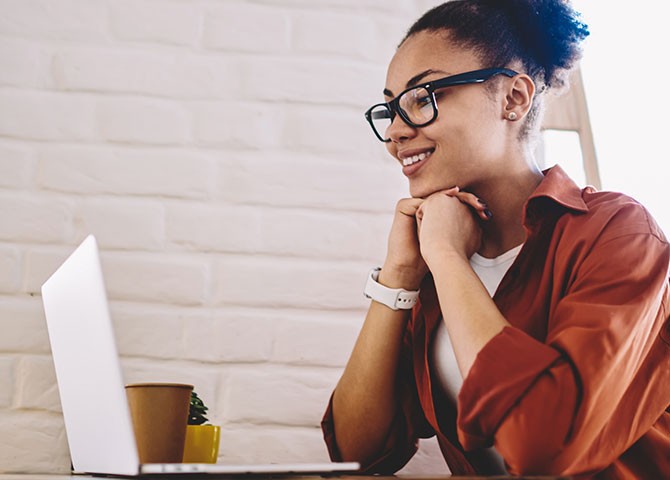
381,120
417,104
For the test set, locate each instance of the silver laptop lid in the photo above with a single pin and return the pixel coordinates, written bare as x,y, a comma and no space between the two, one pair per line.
95,409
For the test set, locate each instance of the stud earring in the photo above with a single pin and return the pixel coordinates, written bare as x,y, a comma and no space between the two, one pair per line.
511,116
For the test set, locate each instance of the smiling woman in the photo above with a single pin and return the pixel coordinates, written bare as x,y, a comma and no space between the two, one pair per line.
510,299
417,105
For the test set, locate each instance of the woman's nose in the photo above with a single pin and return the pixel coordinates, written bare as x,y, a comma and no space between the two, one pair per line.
398,131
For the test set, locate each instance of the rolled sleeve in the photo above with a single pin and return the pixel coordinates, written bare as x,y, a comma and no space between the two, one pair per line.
493,386
549,407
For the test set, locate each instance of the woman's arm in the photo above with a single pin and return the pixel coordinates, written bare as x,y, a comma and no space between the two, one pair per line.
365,400
449,236
471,316
575,403
563,405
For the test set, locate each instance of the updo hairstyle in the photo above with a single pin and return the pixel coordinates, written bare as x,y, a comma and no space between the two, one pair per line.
544,36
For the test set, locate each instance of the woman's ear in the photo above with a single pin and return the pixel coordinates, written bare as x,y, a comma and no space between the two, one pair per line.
519,97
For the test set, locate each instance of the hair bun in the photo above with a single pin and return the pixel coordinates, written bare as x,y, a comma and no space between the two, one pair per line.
544,35
549,30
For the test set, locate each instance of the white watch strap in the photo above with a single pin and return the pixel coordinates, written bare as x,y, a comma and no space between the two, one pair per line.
394,298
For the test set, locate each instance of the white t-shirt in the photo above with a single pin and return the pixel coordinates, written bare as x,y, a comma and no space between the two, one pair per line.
443,361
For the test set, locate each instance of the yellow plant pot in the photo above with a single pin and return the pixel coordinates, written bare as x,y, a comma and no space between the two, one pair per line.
202,443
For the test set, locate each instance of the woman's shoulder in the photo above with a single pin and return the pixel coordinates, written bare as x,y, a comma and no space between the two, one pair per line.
614,214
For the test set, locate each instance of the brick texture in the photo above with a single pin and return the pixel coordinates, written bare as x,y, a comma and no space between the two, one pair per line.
10,265
33,441
23,326
278,395
7,375
245,27
218,151
156,21
17,167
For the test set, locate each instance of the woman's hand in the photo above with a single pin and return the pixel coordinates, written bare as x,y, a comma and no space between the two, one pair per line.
404,267
447,224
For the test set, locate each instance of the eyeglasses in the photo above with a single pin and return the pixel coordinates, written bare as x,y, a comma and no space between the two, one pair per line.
417,106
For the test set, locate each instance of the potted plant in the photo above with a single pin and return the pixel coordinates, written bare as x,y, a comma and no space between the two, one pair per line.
202,439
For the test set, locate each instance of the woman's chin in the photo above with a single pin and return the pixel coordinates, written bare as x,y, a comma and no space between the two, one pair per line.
419,189
425,191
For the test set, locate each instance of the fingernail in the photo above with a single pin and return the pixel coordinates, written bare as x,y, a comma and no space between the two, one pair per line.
488,213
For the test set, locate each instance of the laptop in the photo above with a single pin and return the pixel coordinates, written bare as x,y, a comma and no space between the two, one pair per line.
93,398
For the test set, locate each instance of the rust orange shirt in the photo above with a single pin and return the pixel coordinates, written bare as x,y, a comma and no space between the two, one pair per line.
579,384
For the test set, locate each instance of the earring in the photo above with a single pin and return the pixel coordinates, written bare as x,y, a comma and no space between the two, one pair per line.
511,116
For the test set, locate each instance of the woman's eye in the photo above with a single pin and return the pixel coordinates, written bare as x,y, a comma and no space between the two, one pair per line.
424,100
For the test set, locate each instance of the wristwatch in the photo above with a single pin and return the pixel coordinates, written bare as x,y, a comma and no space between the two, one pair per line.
394,298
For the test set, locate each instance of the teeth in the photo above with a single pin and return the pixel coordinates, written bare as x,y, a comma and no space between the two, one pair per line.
416,158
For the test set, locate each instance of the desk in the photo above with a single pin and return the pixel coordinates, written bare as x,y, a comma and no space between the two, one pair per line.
28,476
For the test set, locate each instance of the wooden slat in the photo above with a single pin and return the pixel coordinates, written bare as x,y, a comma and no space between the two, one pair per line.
570,112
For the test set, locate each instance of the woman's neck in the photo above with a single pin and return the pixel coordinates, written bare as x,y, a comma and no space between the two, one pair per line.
505,200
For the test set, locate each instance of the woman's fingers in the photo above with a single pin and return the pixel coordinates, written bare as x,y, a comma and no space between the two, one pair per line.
409,206
472,200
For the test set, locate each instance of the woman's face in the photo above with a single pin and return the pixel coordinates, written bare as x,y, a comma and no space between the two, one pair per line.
464,145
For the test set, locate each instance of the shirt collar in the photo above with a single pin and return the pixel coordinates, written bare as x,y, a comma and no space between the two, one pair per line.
557,187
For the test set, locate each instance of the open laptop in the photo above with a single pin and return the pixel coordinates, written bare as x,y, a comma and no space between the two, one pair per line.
95,409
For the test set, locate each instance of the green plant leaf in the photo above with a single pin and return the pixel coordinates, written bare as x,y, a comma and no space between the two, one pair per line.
197,410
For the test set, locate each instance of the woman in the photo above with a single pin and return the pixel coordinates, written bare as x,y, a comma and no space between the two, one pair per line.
540,341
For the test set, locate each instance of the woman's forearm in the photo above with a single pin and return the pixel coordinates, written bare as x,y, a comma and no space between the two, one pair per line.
471,316
364,401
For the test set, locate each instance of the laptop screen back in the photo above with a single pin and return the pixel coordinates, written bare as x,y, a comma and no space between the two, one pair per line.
95,409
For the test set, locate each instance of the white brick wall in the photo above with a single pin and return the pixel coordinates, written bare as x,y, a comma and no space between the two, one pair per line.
219,153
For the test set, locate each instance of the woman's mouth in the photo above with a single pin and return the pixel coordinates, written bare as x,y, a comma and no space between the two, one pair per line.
413,163
415,158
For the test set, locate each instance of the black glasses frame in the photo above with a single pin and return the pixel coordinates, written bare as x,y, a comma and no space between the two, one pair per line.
393,107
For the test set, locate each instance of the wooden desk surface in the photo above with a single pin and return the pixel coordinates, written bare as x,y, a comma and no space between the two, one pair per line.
29,476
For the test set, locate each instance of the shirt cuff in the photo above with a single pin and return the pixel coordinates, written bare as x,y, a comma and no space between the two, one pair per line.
496,381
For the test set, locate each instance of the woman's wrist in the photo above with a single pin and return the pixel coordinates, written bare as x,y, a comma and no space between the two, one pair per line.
407,278
447,262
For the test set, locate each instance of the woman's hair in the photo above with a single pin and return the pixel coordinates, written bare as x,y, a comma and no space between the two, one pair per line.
543,35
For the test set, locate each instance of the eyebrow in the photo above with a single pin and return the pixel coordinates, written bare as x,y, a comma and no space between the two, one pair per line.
416,79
